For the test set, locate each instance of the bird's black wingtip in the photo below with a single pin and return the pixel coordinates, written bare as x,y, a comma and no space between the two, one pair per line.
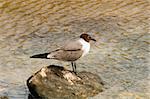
40,56
35,56
32,56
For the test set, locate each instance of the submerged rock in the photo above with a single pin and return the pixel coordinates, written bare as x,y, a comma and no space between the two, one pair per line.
4,97
56,82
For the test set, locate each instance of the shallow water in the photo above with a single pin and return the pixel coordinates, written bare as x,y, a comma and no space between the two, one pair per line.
119,57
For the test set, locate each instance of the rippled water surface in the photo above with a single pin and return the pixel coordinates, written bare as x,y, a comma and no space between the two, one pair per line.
119,57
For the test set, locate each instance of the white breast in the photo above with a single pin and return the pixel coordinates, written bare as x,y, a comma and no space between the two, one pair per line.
85,46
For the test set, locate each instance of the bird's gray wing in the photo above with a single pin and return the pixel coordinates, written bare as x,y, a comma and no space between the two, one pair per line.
71,51
72,46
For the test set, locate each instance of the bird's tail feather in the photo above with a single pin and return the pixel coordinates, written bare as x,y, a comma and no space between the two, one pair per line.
40,56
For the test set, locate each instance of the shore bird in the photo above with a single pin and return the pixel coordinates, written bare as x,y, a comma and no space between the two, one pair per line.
70,51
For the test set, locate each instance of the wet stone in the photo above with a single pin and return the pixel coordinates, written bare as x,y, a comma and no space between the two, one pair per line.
56,82
4,97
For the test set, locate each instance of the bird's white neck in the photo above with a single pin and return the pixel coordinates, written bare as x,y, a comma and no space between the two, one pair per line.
85,46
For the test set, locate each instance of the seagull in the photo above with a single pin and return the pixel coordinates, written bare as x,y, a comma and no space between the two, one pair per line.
70,51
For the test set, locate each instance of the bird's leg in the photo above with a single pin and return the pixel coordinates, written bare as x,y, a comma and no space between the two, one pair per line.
75,67
72,64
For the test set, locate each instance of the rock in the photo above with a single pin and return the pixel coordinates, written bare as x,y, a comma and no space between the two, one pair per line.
4,97
56,82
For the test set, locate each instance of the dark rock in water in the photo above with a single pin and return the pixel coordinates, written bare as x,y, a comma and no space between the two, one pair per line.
3,97
58,83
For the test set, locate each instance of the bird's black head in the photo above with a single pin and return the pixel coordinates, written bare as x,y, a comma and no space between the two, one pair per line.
86,37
